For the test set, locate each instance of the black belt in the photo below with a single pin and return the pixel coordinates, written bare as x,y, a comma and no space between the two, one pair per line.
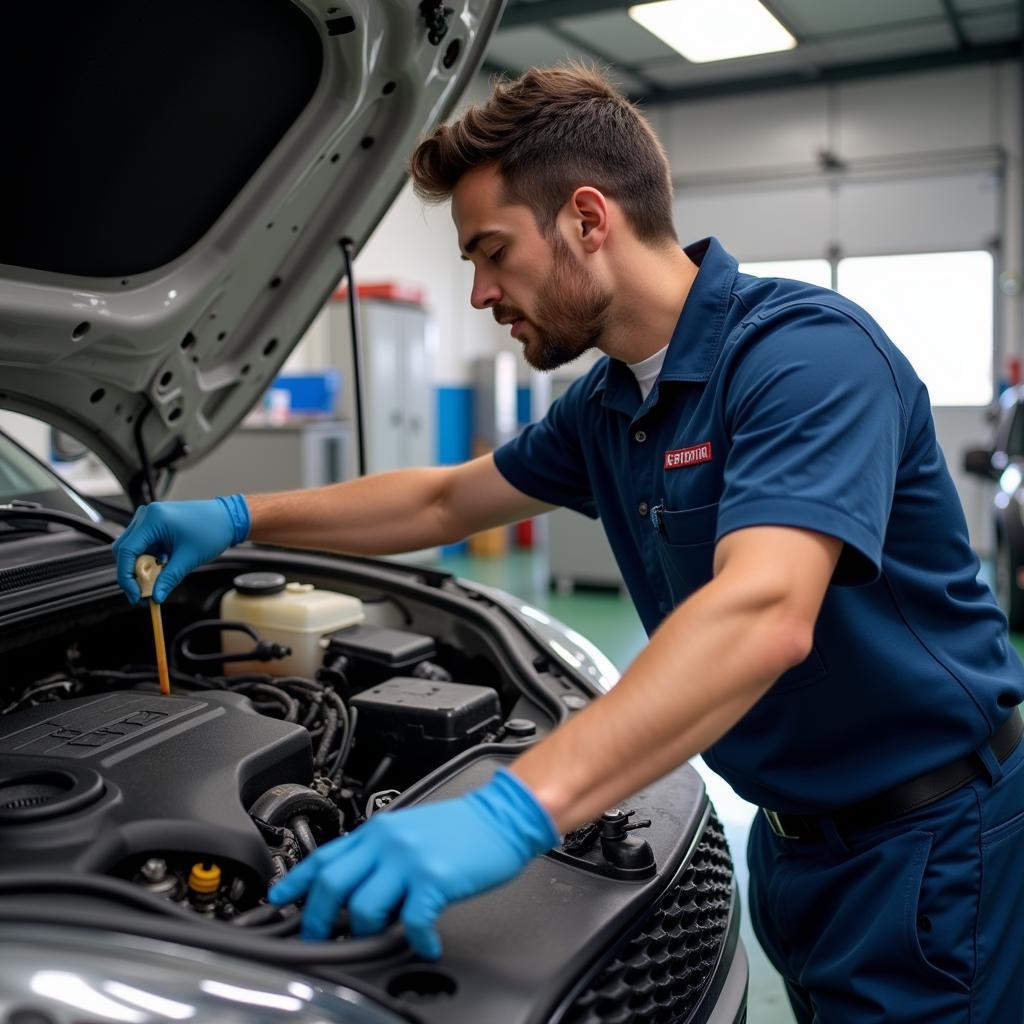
904,798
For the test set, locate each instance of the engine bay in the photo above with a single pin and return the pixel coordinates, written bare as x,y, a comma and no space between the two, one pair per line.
285,728
370,685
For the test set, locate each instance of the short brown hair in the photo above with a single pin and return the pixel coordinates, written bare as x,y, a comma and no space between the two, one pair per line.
549,131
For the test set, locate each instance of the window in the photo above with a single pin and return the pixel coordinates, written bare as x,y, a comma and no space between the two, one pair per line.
812,271
937,308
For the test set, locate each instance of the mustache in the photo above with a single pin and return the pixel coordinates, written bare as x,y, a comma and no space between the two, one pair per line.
506,313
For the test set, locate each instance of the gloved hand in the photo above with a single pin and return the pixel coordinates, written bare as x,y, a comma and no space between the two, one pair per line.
188,533
423,859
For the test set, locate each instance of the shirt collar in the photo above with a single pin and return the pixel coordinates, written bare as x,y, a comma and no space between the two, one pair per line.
693,347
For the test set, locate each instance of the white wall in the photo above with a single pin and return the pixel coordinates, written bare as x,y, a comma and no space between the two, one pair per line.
418,243
941,122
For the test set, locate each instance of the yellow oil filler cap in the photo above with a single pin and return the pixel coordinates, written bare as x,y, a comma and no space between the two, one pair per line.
204,878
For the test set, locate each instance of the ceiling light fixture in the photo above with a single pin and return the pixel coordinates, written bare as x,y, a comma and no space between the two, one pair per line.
707,30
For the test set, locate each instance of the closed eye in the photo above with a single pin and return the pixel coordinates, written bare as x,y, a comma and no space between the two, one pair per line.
495,257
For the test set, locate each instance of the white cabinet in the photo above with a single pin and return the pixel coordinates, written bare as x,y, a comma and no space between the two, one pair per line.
259,459
398,392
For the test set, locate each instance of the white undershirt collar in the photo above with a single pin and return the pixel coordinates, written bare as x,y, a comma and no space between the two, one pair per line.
647,370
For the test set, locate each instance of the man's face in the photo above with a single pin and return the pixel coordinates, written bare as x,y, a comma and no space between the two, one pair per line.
556,307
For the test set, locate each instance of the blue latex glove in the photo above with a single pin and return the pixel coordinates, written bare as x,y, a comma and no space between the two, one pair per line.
187,533
423,859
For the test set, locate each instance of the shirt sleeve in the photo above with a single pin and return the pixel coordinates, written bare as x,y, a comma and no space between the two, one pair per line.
817,427
547,461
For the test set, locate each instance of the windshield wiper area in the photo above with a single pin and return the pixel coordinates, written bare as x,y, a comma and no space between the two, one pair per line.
29,516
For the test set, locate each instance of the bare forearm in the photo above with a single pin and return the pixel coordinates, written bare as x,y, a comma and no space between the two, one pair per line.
697,677
389,513
386,513
707,665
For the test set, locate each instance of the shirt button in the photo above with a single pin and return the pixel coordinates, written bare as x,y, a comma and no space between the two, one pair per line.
642,508
640,436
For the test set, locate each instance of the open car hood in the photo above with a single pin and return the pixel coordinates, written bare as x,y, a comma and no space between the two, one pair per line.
180,183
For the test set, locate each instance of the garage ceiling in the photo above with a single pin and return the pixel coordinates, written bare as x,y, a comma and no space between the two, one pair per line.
837,40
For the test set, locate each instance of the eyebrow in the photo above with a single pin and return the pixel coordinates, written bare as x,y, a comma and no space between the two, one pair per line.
476,240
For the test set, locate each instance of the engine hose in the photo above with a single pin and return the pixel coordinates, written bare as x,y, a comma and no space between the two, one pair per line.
379,772
105,887
61,684
264,914
315,704
346,722
44,882
279,929
340,706
302,683
268,920
326,738
180,647
213,935
339,762
303,834
272,693
284,803
434,673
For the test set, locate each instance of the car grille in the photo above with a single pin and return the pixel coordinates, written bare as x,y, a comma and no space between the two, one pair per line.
658,973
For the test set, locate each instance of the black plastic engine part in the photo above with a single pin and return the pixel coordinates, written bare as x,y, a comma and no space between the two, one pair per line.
287,800
618,855
414,717
375,653
259,584
92,783
262,650
666,965
558,943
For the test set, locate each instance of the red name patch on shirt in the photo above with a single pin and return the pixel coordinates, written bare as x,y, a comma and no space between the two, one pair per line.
692,456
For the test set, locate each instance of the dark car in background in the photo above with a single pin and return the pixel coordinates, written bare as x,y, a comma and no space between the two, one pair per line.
189,184
1002,463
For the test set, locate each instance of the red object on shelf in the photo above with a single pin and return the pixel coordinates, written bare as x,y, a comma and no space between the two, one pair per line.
524,534
1013,370
390,291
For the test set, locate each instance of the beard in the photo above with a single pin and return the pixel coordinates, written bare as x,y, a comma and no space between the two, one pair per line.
571,313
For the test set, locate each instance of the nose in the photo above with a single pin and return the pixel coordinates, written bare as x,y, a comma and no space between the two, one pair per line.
486,292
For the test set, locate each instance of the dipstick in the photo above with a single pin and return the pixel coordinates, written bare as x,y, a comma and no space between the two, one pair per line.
147,568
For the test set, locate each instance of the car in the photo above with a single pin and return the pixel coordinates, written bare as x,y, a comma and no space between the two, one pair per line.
1002,463
191,184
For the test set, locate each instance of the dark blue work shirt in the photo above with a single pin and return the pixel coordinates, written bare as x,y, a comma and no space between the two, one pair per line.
780,403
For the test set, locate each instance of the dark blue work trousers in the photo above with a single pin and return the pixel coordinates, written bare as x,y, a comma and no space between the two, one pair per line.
918,920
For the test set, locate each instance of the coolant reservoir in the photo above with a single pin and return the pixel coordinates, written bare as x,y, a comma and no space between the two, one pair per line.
296,614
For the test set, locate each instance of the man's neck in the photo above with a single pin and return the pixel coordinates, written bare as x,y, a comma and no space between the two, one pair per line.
650,292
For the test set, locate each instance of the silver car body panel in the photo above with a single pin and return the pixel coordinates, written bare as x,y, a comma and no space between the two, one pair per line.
188,348
70,975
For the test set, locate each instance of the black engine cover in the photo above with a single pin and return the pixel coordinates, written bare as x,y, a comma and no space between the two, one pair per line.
93,782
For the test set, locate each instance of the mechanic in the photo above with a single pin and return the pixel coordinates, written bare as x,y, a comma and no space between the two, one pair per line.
764,462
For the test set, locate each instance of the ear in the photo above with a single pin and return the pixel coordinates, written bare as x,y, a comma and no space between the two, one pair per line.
590,212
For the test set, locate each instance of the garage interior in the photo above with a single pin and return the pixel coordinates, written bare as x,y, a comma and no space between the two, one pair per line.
880,154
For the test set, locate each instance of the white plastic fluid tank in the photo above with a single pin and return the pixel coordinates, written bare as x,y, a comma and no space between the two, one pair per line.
296,614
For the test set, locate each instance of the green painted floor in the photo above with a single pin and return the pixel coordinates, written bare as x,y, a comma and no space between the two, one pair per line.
609,619
605,617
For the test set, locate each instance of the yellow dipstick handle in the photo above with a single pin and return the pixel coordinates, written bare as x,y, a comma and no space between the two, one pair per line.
147,568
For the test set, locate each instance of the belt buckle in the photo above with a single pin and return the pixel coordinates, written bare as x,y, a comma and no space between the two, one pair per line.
775,821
